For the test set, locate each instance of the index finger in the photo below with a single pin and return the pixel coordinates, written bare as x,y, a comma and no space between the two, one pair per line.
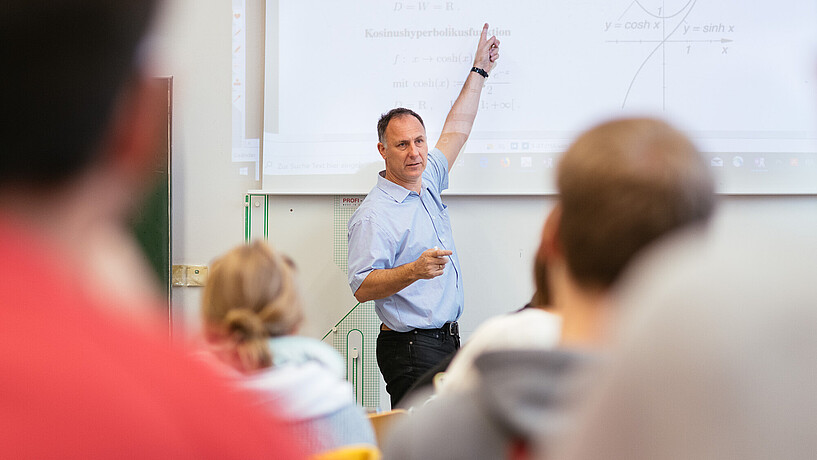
484,35
444,252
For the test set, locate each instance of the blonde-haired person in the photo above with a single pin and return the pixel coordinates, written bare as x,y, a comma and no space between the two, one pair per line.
251,312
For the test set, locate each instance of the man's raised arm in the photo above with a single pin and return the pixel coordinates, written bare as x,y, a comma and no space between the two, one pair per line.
461,117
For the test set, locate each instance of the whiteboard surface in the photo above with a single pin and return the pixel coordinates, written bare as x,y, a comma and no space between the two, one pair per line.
737,77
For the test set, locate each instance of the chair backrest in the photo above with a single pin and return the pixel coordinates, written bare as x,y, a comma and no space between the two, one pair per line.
382,423
354,452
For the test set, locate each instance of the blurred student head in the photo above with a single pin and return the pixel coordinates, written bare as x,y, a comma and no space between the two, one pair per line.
250,297
714,354
541,295
80,128
71,85
622,185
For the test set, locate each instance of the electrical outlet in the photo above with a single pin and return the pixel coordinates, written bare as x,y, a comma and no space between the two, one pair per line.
189,275
179,277
197,275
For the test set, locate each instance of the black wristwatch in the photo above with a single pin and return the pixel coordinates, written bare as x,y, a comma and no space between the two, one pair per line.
479,71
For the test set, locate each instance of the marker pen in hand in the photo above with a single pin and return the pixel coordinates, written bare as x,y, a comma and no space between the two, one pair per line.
436,248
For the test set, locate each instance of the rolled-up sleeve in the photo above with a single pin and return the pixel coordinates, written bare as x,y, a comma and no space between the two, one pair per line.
436,171
370,248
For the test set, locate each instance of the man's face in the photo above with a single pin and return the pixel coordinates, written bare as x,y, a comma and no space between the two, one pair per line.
405,149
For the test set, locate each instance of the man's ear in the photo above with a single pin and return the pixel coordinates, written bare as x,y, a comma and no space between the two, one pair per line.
134,135
382,149
551,244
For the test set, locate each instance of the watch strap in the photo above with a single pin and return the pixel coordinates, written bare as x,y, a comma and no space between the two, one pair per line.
480,71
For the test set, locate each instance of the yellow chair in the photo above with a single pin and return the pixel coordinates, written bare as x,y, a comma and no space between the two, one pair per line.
355,452
382,423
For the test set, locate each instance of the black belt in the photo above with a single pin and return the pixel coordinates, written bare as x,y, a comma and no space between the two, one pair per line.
451,328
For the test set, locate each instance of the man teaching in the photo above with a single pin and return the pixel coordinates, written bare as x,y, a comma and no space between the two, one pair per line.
401,250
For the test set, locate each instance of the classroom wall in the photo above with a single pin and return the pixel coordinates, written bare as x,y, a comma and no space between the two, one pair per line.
194,40
495,236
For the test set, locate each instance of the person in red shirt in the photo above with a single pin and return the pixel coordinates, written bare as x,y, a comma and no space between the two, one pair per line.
80,377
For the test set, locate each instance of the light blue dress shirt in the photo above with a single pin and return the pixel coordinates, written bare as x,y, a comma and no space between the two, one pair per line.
392,227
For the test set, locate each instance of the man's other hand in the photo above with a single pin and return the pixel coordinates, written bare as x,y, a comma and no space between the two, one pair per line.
431,263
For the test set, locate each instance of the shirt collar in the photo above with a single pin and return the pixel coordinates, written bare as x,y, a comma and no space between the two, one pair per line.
396,192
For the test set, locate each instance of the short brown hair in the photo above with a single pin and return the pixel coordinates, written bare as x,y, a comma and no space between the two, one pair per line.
622,185
387,117
250,296
542,295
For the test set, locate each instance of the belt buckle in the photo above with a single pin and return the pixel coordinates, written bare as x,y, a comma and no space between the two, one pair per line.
453,328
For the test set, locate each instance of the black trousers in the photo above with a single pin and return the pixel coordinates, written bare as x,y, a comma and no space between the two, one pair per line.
403,357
